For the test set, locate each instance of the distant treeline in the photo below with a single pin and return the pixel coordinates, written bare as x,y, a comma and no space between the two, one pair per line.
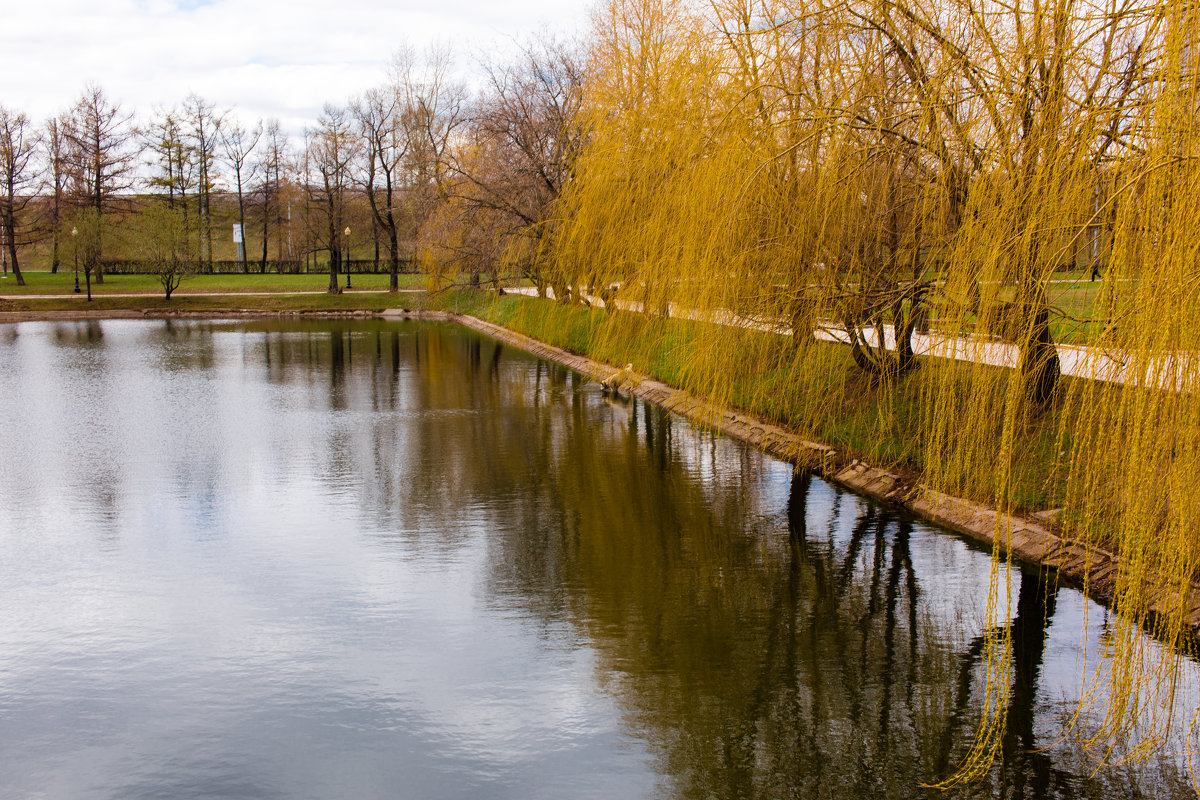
233,266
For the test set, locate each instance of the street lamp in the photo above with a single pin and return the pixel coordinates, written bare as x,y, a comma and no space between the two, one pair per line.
347,232
75,250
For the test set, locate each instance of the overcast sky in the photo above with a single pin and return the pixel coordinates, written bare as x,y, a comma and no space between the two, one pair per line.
265,58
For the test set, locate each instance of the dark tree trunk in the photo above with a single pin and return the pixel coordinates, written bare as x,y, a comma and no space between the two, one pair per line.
244,267
802,322
334,259
262,265
375,239
98,251
877,360
1040,367
394,260
11,242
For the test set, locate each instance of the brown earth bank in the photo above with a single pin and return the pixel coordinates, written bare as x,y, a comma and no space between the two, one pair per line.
249,313
1034,540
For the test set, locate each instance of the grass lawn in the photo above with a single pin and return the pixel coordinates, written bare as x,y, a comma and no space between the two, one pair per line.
63,283
347,301
1077,307
861,418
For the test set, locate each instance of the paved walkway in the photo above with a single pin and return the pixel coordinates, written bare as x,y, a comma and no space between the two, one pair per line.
1096,363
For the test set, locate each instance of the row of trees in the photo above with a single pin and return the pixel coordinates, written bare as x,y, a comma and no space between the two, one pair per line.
417,162
77,165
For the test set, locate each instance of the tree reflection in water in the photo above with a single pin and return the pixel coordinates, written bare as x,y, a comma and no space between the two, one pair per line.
768,635
762,655
763,652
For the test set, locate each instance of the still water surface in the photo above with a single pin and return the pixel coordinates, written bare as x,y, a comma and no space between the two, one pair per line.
304,560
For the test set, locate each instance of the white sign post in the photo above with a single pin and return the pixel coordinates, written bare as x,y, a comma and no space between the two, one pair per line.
239,239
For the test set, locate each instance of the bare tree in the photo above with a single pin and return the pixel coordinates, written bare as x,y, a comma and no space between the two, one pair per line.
173,165
525,137
433,110
385,146
239,143
270,166
18,178
307,180
332,148
203,133
101,164
172,157
54,143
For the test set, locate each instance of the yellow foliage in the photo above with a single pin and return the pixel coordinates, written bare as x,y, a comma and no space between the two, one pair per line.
858,171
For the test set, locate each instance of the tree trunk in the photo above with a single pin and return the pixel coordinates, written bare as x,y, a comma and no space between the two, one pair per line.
243,250
97,203
877,359
334,258
375,239
394,261
99,250
10,235
262,265
802,322
1040,367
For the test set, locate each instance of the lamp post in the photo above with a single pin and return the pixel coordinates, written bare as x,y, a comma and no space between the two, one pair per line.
347,232
75,251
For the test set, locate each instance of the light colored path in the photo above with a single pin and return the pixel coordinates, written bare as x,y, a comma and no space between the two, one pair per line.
1116,366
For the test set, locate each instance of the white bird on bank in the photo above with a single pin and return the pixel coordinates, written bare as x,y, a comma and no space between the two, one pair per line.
614,382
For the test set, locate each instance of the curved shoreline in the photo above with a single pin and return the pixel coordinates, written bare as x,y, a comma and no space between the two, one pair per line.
1031,540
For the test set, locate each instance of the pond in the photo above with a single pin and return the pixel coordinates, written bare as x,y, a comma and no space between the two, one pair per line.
328,560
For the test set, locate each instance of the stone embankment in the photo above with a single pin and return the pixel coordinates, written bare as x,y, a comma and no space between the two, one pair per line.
1035,541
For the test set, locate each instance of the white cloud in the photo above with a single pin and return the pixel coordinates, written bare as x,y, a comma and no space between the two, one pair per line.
282,58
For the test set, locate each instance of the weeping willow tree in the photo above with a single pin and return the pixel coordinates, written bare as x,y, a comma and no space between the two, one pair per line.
802,203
